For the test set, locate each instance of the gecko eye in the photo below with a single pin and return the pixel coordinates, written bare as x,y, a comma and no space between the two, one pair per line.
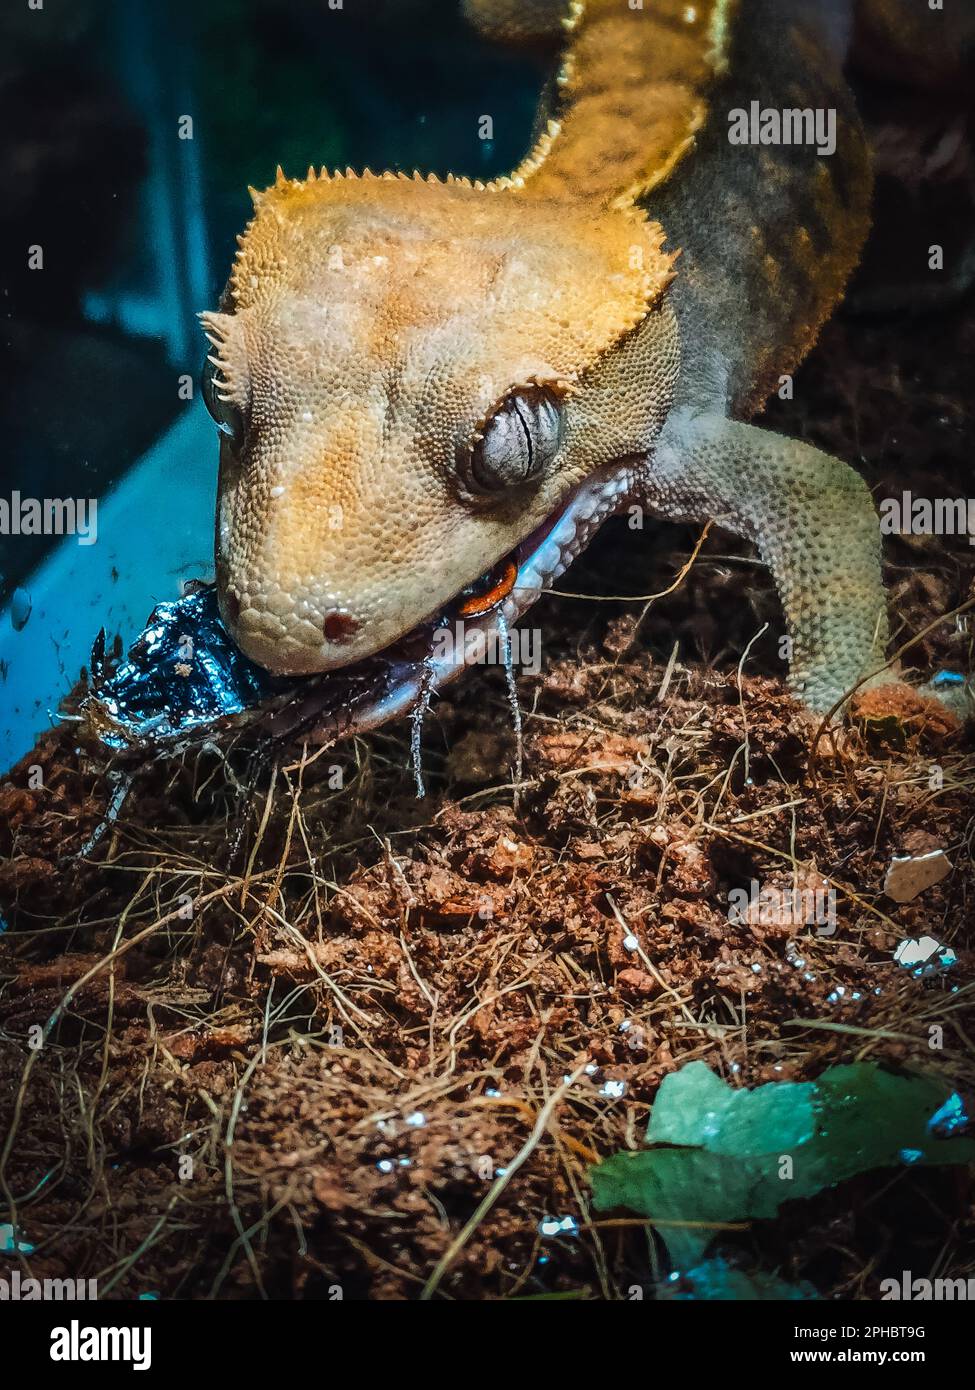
518,441
224,413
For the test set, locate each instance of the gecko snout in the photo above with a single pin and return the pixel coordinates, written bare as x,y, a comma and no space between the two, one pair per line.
291,630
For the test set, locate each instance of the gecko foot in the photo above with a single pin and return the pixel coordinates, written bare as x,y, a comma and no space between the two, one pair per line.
933,709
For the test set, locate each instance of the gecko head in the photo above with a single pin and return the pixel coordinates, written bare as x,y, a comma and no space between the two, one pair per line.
428,394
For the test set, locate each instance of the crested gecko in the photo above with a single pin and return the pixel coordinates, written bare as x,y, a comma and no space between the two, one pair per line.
431,393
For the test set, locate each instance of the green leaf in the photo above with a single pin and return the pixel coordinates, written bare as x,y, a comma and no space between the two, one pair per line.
695,1107
724,1155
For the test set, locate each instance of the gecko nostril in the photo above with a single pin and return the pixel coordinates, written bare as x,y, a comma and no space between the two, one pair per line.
339,627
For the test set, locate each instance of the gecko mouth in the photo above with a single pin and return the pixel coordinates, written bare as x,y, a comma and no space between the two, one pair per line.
158,696
476,625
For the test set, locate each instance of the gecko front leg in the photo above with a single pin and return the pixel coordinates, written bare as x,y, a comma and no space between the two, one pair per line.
814,523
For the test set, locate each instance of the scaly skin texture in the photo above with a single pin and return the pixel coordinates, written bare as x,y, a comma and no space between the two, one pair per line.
651,279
